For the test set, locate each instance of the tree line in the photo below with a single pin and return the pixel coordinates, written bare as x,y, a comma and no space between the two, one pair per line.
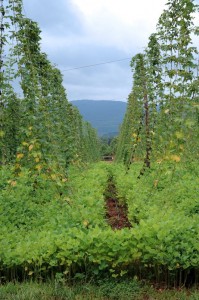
162,118
38,124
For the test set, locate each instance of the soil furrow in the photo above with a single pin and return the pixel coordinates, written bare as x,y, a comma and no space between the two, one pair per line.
116,214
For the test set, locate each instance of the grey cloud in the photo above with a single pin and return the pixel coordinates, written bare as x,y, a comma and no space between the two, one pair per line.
58,17
105,93
68,46
103,82
81,55
67,41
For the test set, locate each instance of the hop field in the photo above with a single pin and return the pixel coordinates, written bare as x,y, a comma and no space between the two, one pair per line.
48,228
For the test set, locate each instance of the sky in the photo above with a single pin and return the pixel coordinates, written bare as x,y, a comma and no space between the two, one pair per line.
78,33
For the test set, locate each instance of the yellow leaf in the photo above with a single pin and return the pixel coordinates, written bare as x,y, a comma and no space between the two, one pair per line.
159,161
30,147
37,159
53,176
64,180
134,135
155,183
30,273
85,223
179,135
166,111
2,133
38,167
175,158
20,155
25,144
13,183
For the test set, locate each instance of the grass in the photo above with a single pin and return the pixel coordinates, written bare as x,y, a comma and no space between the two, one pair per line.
105,289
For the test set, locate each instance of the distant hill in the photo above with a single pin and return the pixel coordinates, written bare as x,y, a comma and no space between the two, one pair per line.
104,115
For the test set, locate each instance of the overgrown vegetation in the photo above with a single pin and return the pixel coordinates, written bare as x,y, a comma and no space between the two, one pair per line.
65,231
161,121
52,202
39,126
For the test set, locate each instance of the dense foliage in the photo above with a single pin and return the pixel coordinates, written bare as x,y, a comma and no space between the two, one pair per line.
161,121
52,202
160,129
64,229
38,124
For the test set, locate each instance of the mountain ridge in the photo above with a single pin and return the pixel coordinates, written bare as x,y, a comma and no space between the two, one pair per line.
104,115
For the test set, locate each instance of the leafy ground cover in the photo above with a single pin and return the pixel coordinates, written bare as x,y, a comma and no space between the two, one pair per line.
51,225
163,211
43,214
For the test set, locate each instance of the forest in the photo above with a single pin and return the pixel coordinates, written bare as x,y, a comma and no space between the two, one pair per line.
86,228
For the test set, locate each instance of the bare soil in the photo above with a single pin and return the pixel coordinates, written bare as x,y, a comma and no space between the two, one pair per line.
116,211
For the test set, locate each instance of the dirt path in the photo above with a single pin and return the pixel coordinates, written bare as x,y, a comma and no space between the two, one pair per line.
116,212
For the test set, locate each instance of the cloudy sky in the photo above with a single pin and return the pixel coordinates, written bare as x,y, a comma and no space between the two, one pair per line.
78,33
